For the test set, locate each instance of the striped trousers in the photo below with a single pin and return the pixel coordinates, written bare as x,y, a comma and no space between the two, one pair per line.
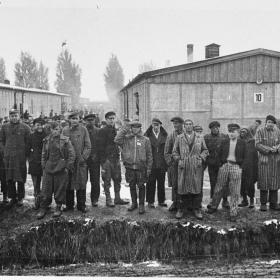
229,176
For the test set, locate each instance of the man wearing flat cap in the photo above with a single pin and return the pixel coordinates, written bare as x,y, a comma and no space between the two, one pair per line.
231,157
93,162
80,140
157,135
172,171
268,146
35,167
110,160
138,159
213,142
15,143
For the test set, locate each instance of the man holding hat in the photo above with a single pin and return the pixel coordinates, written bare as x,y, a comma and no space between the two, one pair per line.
172,171
110,160
35,167
213,142
138,159
80,140
15,143
231,157
268,146
157,135
93,161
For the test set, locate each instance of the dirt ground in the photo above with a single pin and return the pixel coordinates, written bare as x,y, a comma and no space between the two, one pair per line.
20,219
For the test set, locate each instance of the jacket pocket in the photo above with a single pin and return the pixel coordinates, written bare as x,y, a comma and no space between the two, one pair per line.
263,159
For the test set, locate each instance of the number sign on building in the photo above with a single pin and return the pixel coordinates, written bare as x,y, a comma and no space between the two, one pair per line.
258,97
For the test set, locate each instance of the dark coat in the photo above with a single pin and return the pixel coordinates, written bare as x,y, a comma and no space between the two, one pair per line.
15,143
36,146
240,151
157,147
108,148
250,164
93,132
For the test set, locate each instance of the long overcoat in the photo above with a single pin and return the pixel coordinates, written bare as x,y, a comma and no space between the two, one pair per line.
36,146
190,154
268,163
80,140
15,143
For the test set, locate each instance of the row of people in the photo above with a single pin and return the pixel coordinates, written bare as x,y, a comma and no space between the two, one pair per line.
64,158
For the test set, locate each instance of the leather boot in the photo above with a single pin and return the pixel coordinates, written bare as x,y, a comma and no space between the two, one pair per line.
133,195
141,199
173,207
41,214
37,203
109,202
118,200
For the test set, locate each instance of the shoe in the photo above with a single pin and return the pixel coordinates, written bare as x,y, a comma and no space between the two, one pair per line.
251,205
162,204
68,208
57,211
82,209
263,207
94,203
233,219
20,203
109,203
198,214
211,210
5,200
11,203
121,202
151,205
172,208
132,207
244,203
141,209
41,214
274,207
225,204
179,214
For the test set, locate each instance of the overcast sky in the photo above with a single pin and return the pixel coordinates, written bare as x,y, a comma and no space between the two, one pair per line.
137,31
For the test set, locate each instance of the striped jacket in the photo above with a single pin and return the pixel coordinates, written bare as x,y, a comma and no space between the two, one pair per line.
268,162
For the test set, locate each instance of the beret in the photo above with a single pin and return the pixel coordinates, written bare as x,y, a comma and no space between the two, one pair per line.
270,118
214,124
177,119
90,116
72,114
110,113
156,120
14,111
39,120
135,124
233,126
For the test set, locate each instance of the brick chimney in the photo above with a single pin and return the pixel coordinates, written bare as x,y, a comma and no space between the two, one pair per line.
212,50
190,53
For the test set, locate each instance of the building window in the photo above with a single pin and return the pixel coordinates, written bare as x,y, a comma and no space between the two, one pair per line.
137,103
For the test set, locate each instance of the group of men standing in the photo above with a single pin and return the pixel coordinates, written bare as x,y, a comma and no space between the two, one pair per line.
63,158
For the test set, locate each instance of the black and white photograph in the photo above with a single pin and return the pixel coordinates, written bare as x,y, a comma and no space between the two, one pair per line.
140,138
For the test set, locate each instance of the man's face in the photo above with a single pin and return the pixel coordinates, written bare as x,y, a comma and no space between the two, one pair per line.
74,121
233,134
243,133
257,124
111,120
188,126
269,124
14,118
38,127
56,131
90,121
135,130
177,126
215,130
156,127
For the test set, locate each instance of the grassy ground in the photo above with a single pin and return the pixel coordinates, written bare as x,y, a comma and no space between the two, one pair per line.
19,220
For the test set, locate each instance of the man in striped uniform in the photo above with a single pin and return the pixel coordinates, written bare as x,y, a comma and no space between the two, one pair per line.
172,171
268,146
231,157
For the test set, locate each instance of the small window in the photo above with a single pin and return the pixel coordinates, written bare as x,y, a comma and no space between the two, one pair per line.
137,103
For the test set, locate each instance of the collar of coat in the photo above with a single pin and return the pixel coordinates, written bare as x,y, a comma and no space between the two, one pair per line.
149,131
